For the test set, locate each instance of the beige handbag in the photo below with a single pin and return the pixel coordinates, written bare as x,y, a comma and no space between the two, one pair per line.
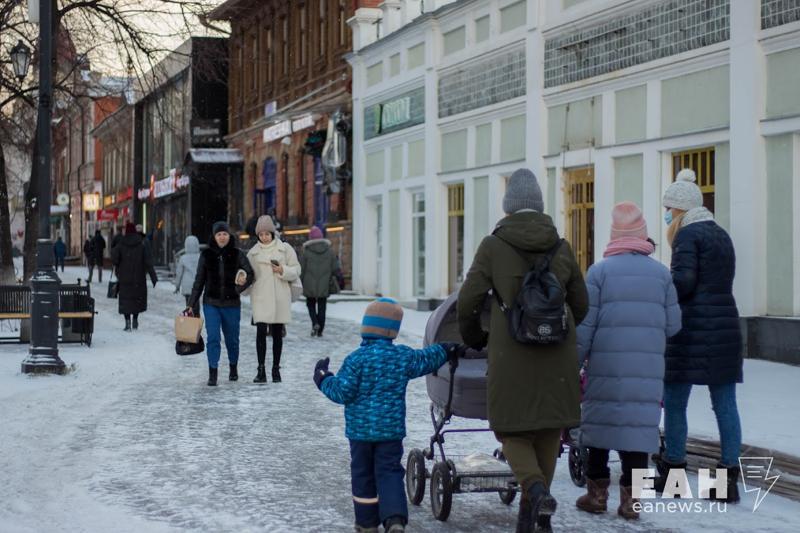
188,328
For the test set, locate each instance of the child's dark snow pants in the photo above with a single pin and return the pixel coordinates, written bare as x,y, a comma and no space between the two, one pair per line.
377,479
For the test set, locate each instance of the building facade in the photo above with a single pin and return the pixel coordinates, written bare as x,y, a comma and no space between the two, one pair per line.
182,106
605,101
289,90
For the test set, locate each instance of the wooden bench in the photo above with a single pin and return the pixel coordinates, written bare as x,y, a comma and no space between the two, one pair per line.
76,309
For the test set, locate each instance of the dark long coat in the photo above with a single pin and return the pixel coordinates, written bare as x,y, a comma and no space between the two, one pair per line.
708,349
529,387
133,262
318,265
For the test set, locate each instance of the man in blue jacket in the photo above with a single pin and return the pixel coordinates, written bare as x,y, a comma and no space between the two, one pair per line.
60,253
371,384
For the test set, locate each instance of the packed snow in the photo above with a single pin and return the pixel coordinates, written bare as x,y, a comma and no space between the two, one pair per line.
133,440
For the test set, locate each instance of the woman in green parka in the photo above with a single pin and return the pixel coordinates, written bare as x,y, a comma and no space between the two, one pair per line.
533,390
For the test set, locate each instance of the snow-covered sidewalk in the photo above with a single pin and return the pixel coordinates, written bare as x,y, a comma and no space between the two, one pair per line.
132,440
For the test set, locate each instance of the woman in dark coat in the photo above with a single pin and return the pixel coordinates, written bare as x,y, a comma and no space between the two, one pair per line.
222,273
132,262
708,349
318,266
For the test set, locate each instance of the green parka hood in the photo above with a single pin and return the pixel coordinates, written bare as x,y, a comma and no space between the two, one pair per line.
529,231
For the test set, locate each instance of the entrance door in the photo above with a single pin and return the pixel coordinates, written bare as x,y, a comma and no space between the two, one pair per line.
702,162
579,189
455,236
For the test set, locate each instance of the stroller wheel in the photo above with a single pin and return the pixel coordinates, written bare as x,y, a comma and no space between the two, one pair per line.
441,491
415,477
507,496
577,465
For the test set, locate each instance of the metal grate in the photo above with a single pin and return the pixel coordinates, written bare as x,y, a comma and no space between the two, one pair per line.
779,12
659,31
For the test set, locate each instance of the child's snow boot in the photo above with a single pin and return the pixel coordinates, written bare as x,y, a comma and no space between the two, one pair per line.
733,487
261,376
212,377
233,375
362,529
543,524
596,498
626,502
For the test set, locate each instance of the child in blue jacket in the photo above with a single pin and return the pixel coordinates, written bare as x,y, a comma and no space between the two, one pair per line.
371,384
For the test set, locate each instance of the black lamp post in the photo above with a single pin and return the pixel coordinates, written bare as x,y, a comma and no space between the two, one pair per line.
43,352
21,59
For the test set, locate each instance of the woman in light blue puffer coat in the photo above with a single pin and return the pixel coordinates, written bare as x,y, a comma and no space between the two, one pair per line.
633,309
186,269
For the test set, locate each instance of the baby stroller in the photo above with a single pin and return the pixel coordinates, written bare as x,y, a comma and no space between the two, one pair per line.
458,390
578,456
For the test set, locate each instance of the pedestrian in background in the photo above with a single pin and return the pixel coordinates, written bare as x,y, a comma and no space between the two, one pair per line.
319,266
60,253
275,266
132,262
533,390
97,251
371,384
186,271
89,255
633,309
708,349
219,281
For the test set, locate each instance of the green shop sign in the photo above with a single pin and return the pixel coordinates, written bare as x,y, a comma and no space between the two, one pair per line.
398,113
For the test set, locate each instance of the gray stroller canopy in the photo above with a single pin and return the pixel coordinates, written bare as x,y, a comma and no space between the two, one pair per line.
442,326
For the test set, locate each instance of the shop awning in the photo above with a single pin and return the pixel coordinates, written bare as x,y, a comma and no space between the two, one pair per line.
212,156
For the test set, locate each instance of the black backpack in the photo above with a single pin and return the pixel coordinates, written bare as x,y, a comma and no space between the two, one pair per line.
539,312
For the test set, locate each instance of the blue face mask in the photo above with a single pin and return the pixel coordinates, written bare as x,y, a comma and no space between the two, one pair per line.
668,217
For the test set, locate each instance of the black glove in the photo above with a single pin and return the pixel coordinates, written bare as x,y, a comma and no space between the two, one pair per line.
454,351
482,343
321,372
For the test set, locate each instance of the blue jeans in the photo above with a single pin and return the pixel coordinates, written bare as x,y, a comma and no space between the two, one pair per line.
723,400
377,478
226,318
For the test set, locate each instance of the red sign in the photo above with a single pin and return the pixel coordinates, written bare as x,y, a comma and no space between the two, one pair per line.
125,194
108,214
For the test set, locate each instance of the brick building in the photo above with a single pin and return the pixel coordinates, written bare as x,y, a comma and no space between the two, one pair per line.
289,81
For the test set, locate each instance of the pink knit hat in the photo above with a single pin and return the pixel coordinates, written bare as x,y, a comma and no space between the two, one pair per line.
315,233
627,221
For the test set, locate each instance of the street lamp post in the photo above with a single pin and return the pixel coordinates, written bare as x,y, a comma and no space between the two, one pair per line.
43,352
20,59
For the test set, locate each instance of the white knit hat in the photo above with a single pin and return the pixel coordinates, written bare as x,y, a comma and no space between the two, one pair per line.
684,194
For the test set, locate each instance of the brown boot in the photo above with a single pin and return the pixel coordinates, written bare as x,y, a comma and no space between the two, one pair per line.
596,498
626,501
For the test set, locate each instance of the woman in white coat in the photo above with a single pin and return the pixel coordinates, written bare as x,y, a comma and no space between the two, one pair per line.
276,267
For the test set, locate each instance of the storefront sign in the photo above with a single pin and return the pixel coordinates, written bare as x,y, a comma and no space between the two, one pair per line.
164,187
396,113
270,109
403,111
278,131
62,199
143,194
302,123
107,214
108,200
287,127
91,202
124,194
183,182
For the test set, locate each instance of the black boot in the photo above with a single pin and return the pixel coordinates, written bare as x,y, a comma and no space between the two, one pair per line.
127,324
543,524
276,374
733,487
212,377
233,375
663,466
261,376
135,322
317,331
539,504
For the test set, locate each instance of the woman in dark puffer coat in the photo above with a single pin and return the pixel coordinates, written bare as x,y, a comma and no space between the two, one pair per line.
708,349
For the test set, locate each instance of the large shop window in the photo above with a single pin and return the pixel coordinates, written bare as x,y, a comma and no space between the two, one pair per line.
418,227
702,162
579,188
455,236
